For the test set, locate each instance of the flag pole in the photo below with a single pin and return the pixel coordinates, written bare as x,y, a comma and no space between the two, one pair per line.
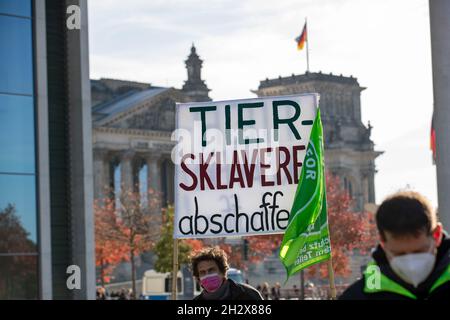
307,45
331,279
175,269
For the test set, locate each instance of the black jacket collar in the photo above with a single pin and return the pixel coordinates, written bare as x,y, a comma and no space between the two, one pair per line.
442,262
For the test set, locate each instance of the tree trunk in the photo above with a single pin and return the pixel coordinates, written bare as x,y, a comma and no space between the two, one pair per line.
133,274
102,273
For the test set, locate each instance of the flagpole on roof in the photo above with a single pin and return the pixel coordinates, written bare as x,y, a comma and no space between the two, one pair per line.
307,45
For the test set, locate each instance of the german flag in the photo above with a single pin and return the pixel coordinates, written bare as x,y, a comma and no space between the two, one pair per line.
301,39
433,140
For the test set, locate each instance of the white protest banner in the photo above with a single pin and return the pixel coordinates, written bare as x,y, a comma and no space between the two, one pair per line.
238,163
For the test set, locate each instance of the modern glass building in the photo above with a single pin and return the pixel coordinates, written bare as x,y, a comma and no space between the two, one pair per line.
19,252
46,221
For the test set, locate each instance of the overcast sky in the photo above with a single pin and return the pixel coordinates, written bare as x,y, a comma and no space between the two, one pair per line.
385,44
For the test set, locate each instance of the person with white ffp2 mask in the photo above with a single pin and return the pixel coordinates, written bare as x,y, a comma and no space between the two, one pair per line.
412,260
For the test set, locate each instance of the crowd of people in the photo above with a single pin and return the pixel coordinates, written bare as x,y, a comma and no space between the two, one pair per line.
122,294
275,292
269,293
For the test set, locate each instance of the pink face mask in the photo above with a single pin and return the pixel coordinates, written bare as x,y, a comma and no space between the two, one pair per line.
211,282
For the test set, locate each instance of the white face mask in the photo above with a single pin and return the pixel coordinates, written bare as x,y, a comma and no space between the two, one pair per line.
413,268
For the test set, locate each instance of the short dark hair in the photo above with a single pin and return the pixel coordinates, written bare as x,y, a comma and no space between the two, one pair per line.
210,253
406,213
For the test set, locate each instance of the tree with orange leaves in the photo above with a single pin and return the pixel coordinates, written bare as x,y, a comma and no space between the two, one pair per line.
125,228
108,251
349,230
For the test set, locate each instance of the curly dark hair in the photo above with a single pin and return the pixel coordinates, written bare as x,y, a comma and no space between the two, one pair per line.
210,253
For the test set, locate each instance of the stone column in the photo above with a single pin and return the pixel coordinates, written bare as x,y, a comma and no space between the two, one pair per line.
108,175
371,182
365,185
79,130
137,166
101,173
154,176
113,161
126,171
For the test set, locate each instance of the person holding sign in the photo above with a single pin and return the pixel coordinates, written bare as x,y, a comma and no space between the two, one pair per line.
253,167
413,258
210,267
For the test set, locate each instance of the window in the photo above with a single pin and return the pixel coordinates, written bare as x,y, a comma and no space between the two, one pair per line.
348,187
350,190
18,225
16,7
168,285
143,185
17,134
16,56
18,277
18,237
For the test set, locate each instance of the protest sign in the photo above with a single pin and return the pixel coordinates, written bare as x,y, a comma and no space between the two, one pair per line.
238,164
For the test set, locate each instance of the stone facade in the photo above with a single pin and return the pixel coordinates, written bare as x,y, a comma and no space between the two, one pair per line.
349,151
132,126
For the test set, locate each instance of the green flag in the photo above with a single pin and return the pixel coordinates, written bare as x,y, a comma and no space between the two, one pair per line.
307,240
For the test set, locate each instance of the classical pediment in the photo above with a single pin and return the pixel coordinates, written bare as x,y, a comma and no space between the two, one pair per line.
144,110
158,116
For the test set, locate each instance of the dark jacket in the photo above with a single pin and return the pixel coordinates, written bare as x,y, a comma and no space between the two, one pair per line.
435,287
238,291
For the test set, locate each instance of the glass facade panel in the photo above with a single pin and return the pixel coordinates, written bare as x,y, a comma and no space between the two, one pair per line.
16,7
16,55
18,205
18,225
17,143
18,277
